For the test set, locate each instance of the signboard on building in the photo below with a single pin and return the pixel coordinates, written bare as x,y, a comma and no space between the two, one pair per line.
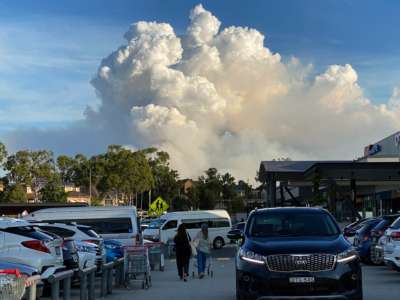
372,149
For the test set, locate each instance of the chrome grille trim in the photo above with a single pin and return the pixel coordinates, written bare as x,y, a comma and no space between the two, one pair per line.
300,262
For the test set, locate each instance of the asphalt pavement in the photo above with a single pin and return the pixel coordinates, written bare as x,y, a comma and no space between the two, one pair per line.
380,283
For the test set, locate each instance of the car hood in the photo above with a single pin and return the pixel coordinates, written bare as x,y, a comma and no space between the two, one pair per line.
297,245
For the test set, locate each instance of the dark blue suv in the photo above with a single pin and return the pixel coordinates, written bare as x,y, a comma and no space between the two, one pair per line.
296,253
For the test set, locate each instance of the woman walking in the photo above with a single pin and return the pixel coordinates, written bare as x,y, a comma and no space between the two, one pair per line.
203,249
183,252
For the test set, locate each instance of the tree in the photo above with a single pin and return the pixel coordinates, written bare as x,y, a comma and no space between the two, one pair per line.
210,189
3,153
166,182
15,193
31,169
53,191
66,167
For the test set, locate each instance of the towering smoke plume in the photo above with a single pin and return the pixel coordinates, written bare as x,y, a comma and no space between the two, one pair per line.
219,97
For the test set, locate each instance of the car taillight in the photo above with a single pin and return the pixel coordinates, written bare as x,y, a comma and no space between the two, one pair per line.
395,235
36,245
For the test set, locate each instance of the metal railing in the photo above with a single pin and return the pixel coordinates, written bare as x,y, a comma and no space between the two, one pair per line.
87,283
31,283
54,280
106,279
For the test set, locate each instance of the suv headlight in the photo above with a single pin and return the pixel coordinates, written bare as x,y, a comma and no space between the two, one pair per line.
252,257
346,256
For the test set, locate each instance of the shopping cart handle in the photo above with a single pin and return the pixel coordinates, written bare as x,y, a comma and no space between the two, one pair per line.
16,272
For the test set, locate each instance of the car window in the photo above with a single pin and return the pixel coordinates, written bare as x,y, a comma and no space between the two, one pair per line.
105,226
62,232
396,224
156,224
292,224
170,225
89,231
28,231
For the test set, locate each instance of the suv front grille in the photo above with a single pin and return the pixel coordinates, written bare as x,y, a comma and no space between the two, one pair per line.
304,262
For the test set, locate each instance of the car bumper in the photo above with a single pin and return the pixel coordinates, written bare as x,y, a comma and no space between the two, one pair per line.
255,282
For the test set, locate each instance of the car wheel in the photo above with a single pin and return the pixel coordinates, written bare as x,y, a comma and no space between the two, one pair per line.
374,258
218,243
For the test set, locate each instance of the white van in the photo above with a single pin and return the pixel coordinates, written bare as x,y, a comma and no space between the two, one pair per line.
110,222
218,221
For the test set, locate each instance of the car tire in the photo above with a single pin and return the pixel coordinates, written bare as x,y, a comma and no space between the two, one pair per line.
218,243
374,259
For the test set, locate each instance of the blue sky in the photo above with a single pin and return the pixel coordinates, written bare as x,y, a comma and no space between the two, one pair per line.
49,50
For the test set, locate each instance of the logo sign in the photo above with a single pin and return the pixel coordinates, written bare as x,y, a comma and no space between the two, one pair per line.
372,149
159,206
397,139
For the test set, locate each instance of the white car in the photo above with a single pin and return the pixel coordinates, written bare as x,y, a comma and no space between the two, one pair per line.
20,242
87,254
392,245
79,233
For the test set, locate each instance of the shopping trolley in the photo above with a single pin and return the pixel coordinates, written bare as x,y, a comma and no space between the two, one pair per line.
138,266
12,285
209,266
156,255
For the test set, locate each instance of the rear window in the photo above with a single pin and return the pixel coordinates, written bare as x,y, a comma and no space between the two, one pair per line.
382,225
29,232
62,232
396,224
89,231
276,224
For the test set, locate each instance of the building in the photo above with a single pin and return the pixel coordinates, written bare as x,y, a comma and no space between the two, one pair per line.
369,185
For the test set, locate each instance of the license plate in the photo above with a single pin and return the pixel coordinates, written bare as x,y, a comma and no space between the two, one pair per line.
301,279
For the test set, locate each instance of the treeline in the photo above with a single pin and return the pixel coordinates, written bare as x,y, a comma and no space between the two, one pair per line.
120,173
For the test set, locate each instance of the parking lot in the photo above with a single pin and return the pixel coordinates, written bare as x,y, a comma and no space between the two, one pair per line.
379,283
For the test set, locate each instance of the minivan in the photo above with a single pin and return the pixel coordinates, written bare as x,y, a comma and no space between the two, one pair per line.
110,222
218,221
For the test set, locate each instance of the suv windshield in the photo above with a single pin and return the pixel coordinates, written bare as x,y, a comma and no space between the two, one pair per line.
277,224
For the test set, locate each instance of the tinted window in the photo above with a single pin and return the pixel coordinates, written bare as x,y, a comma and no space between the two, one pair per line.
219,223
89,231
192,224
396,224
106,226
171,225
292,224
369,226
30,232
58,231
382,225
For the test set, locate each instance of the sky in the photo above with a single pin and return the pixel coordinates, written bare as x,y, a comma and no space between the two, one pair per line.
51,50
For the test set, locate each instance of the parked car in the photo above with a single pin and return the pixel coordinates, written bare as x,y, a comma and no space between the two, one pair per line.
26,271
87,254
376,251
78,233
152,232
236,230
350,230
117,223
362,239
21,243
114,250
392,245
291,253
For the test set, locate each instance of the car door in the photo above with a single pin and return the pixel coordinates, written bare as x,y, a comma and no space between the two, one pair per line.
169,230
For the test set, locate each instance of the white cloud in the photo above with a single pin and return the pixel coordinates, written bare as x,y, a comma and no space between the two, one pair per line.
222,98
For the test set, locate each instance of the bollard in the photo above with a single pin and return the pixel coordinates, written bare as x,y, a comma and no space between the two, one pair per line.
87,283
119,271
106,279
32,286
55,279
